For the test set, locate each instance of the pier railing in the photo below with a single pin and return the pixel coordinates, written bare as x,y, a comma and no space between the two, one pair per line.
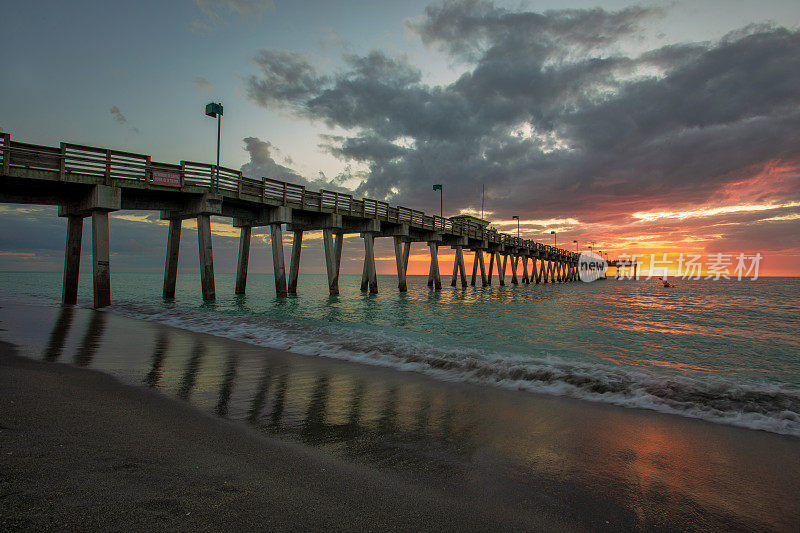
115,167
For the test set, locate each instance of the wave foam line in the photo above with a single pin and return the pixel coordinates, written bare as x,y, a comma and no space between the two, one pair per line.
772,408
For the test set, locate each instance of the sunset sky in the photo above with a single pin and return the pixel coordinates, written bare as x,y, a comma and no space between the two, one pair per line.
658,127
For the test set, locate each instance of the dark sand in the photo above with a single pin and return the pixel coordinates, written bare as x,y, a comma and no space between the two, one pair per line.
219,434
81,450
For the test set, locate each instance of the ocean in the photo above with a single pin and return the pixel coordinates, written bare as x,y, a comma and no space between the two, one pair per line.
722,351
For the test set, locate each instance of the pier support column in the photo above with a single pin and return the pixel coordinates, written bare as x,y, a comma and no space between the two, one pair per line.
206,257
474,269
461,267
244,260
101,265
278,263
72,260
434,280
364,276
491,267
401,251
514,280
294,262
525,279
501,269
333,258
171,259
483,268
369,263
458,267
97,203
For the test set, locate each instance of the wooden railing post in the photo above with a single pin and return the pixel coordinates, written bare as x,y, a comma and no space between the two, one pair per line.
148,176
62,163
6,152
108,167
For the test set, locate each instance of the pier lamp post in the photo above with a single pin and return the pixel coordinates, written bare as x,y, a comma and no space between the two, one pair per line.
438,187
214,110
555,244
516,217
576,246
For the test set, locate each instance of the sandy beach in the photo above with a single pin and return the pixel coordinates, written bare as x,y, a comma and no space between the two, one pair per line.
80,450
172,429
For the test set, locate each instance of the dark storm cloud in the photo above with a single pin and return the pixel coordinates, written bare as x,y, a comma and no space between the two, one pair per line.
263,165
474,29
284,77
550,117
770,236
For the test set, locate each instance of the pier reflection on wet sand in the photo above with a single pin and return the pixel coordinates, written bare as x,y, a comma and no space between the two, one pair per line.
625,466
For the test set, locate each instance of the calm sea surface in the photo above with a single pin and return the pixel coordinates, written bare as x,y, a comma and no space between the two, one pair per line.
725,351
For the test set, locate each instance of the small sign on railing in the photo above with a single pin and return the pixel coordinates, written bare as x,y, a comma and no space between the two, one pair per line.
166,179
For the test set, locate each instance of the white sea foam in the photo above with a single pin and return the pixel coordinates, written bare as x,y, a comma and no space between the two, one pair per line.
773,408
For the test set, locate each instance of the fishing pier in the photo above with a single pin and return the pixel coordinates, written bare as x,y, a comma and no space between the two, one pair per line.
89,182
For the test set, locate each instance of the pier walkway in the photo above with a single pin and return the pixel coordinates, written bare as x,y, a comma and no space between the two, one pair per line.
85,181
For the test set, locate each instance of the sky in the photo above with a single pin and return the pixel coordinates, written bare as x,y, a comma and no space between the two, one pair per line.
643,128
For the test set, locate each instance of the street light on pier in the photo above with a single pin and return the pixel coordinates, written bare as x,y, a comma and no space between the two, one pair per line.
576,246
438,187
553,233
214,110
517,217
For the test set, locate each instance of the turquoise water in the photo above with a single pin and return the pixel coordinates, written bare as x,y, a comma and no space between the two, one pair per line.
726,351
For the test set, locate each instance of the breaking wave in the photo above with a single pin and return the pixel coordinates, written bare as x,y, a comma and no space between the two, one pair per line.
774,408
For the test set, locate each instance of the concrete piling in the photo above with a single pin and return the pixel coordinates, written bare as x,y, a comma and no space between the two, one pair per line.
514,260
171,259
370,273
401,252
101,265
501,269
434,280
244,260
206,257
525,278
72,260
333,256
278,265
294,262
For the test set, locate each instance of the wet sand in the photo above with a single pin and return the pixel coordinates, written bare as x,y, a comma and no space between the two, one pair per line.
196,432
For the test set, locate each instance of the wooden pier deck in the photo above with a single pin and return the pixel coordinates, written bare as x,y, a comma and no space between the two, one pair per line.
85,181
